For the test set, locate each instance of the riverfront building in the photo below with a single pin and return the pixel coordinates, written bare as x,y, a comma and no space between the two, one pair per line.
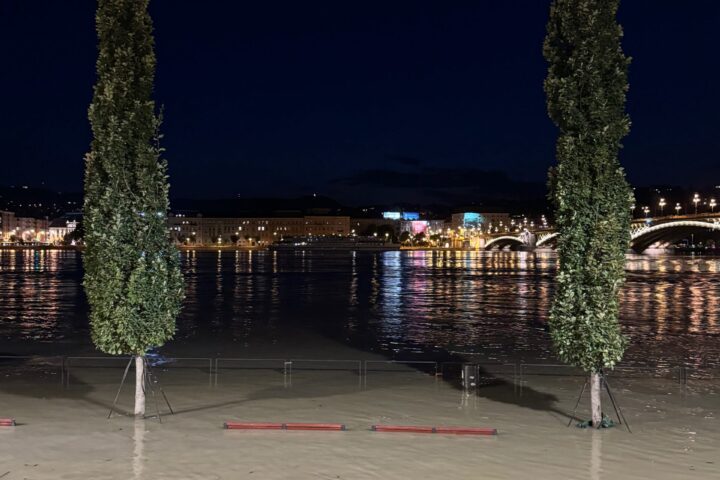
478,220
61,227
7,221
253,231
23,229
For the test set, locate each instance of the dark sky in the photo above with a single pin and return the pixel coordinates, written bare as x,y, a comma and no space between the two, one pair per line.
360,100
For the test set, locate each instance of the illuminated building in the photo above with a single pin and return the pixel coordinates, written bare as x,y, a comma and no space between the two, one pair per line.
252,231
416,227
327,225
478,219
397,215
61,227
7,225
23,229
437,226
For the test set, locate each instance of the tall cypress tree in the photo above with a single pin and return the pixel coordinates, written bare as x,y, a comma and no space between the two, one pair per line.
586,87
132,274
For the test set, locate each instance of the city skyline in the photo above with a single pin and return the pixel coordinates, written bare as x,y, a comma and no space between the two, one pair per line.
366,112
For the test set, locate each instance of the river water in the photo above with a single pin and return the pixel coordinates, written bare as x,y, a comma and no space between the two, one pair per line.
413,304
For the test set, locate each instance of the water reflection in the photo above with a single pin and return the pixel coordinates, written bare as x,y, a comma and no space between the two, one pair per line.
490,304
596,455
138,459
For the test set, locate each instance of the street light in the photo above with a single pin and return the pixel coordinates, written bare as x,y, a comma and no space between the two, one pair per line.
662,205
677,208
646,210
712,204
696,200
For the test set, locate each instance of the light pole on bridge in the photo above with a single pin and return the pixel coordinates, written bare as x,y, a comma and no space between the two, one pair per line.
696,200
677,208
662,205
712,205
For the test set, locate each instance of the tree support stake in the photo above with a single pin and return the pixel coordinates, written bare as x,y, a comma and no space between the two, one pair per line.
149,379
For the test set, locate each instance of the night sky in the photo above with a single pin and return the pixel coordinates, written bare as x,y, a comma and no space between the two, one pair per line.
359,100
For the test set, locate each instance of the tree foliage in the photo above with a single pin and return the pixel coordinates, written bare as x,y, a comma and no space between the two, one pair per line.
132,276
586,87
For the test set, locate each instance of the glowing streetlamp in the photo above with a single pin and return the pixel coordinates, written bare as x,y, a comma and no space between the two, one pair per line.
696,200
677,208
662,205
712,204
646,210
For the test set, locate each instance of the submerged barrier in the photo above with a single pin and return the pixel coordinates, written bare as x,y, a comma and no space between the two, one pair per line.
375,428
335,427
471,375
440,430
166,363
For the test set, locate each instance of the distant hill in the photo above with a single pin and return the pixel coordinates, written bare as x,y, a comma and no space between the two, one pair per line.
260,207
35,202
42,202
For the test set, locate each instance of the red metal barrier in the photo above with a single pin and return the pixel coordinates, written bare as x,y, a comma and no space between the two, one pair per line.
402,428
440,430
466,431
252,426
7,422
315,426
284,426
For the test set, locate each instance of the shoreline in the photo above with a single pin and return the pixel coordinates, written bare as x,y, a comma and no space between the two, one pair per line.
216,248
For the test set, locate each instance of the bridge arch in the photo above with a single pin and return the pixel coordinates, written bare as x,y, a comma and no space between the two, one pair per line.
547,239
668,232
504,241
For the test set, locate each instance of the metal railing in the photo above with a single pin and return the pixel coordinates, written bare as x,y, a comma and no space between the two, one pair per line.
519,371
276,364
167,363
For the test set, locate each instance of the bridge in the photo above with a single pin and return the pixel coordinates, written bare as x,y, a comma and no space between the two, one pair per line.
658,232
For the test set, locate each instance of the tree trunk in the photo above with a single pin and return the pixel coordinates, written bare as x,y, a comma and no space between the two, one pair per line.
139,386
595,407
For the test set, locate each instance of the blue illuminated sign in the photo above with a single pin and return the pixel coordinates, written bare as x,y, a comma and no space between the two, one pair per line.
391,215
411,216
472,219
